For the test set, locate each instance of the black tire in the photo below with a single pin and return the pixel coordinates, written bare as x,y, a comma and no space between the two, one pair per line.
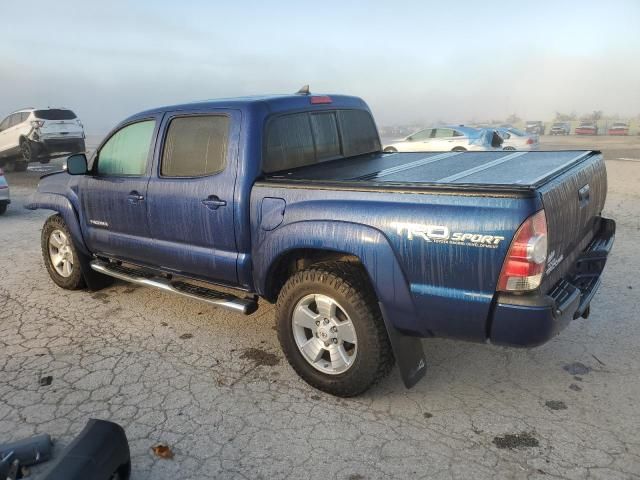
350,287
3,208
510,149
390,150
458,149
75,280
44,160
28,152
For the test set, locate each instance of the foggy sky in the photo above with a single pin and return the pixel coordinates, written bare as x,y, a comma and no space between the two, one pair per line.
413,62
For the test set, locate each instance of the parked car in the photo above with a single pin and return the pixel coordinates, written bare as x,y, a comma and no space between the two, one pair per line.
514,139
619,128
39,134
447,138
5,197
587,128
291,199
560,128
535,127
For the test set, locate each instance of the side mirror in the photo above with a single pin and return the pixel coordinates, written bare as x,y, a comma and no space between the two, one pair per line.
409,138
76,164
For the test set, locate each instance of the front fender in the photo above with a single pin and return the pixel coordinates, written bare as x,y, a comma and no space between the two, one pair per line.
366,243
62,205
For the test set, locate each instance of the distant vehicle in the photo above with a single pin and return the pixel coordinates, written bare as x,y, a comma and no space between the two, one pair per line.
446,138
39,134
619,128
535,126
514,139
5,198
560,128
587,128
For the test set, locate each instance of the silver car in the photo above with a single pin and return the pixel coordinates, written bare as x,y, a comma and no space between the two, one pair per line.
5,200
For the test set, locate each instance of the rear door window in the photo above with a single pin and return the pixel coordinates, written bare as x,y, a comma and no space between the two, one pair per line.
5,123
195,146
14,120
443,133
127,151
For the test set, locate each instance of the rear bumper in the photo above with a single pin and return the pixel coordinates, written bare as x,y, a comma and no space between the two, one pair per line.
531,320
61,145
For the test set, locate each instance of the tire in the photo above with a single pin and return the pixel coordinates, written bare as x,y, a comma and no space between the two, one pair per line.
390,150
3,208
510,149
369,353
56,242
28,152
44,160
459,149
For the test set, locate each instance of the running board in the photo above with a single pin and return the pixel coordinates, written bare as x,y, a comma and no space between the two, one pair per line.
241,305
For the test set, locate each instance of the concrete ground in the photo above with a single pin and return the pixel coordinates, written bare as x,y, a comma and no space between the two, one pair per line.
214,385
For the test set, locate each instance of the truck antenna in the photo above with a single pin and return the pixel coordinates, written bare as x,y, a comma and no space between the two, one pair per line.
304,90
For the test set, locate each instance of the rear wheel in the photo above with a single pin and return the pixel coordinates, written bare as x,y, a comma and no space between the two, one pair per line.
331,329
3,208
27,151
60,254
509,148
390,150
459,149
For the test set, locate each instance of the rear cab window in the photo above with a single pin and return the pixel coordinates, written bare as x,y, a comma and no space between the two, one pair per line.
126,153
300,139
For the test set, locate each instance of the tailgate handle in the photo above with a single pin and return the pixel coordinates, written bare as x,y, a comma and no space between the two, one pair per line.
583,195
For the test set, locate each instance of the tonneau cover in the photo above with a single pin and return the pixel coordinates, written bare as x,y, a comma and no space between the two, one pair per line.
518,170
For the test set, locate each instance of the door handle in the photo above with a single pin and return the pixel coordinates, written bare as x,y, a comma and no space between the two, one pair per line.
134,197
213,202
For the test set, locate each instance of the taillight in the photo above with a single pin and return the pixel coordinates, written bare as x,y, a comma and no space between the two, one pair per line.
529,141
527,256
37,123
320,99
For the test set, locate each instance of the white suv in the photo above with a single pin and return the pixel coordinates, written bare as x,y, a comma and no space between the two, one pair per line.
39,134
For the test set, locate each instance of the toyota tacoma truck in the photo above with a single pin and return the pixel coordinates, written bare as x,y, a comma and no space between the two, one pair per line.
290,199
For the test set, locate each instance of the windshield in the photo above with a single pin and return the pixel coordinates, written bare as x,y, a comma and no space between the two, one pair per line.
54,114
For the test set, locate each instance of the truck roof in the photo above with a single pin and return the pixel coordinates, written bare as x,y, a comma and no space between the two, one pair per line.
266,103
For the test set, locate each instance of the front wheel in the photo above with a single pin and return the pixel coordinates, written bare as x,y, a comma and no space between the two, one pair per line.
390,150
459,149
509,148
331,329
60,254
27,151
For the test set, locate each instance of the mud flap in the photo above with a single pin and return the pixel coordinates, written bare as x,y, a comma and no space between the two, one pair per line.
408,352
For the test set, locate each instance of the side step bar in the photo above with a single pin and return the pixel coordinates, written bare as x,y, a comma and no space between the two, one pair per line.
241,305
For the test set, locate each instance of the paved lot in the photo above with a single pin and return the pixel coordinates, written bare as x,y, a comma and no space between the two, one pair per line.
214,385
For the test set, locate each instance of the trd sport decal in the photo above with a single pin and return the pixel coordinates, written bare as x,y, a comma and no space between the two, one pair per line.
442,234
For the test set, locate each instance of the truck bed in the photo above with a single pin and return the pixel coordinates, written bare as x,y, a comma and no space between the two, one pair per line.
495,170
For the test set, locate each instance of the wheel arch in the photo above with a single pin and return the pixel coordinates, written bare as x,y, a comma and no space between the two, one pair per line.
304,243
62,206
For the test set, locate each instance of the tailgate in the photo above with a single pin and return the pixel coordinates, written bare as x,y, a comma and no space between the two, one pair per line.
573,203
61,127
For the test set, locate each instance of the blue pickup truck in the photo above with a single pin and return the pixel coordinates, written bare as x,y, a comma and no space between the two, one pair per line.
290,199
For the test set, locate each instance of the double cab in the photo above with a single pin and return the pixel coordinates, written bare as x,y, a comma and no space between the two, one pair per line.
290,199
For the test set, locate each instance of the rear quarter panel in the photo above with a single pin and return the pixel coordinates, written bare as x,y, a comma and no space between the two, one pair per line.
433,287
